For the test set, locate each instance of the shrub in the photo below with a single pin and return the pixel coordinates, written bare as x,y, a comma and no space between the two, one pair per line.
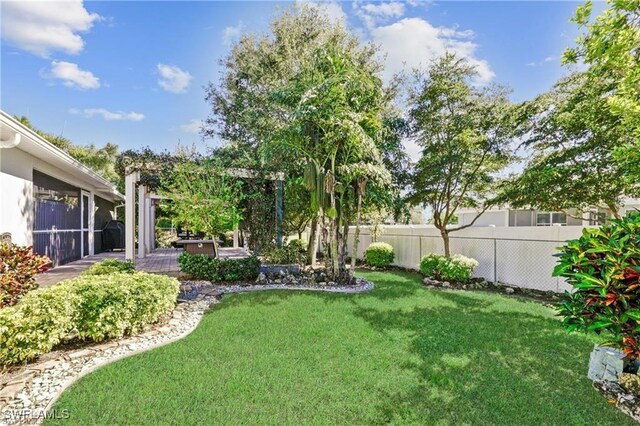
298,244
165,238
379,255
603,266
110,266
631,383
285,255
90,308
18,269
201,266
454,268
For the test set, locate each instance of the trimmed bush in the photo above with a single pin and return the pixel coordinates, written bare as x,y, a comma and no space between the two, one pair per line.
379,254
203,267
86,308
110,266
298,244
442,268
18,269
603,266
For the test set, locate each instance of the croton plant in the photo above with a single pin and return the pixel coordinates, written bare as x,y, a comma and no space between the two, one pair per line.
603,267
18,269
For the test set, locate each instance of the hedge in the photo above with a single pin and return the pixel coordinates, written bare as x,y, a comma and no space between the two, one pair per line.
110,266
203,267
86,308
379,254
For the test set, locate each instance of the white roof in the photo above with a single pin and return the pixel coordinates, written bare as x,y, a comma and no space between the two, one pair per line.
34,144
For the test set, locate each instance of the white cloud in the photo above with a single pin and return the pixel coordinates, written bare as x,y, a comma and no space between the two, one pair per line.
108,115
45,27
72,76
173,79
333,9
414,42
373,13
542,62
193,126
232,33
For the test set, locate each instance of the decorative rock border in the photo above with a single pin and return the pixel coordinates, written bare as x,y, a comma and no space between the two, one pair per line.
191,288
27,397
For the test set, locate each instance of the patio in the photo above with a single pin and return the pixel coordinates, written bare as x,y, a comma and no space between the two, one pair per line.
160,261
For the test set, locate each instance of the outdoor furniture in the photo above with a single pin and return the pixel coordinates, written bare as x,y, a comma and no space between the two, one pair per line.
198,247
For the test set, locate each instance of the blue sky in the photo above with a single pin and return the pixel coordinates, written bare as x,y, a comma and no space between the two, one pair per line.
132,73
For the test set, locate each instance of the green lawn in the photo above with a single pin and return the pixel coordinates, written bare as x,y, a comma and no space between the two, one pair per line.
401,354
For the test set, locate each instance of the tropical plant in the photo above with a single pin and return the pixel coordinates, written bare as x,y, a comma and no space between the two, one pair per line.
455,268
603,267
465,134
18,269
379,254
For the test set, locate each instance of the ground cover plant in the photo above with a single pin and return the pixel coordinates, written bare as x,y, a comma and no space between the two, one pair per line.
86,308
110,266
401,354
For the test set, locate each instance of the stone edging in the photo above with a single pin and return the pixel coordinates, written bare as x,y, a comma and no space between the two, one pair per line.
363,287
28,397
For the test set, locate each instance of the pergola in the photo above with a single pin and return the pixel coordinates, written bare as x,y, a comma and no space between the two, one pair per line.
146,212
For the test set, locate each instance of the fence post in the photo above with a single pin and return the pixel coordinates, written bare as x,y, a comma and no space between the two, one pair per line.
495,261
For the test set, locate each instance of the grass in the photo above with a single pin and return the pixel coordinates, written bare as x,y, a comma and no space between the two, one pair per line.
401,354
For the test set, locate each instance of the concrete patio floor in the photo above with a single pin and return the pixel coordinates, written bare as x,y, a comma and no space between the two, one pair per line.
160,261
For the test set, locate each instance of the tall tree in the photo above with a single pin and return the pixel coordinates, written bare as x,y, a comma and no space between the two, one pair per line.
306,97
465,135
571,136
610,47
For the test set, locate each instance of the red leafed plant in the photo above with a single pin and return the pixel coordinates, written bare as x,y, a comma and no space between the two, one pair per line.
603,266
18,269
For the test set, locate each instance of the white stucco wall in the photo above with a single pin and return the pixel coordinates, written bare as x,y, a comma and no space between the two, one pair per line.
16,195
16,191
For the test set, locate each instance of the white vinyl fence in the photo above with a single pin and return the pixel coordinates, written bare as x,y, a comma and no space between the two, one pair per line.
518,256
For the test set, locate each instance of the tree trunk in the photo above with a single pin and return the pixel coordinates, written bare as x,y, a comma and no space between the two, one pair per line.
356,236
445,240
313,242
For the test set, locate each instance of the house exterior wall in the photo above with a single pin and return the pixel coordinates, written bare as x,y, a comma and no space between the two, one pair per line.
17,195
495,218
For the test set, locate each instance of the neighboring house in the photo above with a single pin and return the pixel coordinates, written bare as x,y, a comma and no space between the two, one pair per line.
506,216
50,200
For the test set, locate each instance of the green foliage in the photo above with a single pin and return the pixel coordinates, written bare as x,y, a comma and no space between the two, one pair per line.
465,134
90,308
379,254
610,47
572,136
18,269
205,198
101,160
603,266
201,266
110,266
443,268
294,252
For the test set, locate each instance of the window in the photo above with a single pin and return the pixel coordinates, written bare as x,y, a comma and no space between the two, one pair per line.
551,219
597,218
